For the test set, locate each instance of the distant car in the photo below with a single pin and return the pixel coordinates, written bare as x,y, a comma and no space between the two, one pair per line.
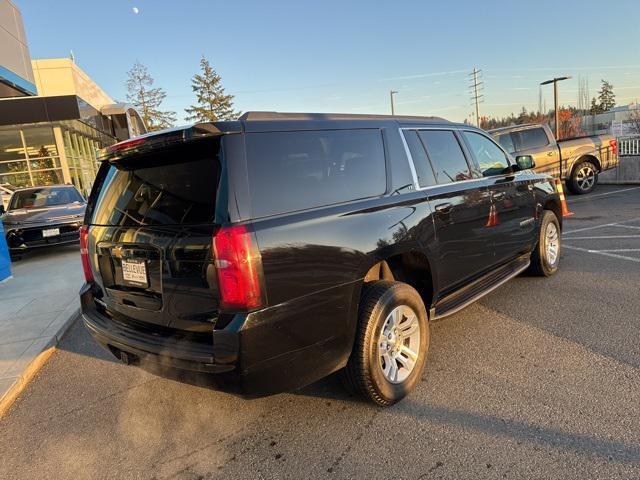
5,194
42,216
577,160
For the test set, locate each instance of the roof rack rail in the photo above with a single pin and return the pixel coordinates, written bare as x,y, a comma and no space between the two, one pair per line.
329,116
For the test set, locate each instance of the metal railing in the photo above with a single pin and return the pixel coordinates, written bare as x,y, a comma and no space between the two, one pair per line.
629,146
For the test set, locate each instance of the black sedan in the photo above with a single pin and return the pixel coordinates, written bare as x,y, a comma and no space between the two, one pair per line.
43,216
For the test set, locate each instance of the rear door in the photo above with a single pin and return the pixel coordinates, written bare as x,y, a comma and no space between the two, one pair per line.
151,218
512,226
461,204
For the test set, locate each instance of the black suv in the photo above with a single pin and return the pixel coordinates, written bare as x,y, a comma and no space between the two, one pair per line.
277,249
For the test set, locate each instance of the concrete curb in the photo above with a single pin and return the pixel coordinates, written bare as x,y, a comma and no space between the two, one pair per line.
68,316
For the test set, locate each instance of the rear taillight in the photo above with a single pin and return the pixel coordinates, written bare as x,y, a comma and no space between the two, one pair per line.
614,146
84,253
239,267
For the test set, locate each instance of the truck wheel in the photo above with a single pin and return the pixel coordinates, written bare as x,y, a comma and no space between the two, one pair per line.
391,343
584,178
545,257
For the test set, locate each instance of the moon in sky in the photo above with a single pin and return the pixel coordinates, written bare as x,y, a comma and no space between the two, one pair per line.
136,10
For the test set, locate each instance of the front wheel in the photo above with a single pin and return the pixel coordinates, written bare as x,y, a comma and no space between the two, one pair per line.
545,257
391,343
583,179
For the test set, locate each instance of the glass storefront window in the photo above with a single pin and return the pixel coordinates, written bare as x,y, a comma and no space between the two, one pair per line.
18,180
40,142
15,166
30,156
11,147
47,177
42,163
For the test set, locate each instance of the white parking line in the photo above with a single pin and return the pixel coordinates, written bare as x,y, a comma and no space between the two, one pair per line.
615,224
588,197
606,254
601,237
620,250
633,227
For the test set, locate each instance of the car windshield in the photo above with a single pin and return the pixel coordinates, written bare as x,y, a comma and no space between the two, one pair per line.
44,197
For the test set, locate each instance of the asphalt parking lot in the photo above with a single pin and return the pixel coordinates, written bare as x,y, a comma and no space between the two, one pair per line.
540,379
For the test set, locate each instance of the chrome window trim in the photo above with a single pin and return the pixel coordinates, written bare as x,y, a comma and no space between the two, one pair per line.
412,166
510,158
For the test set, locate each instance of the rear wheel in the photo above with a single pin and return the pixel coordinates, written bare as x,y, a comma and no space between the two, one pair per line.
584,178
545,257
391,344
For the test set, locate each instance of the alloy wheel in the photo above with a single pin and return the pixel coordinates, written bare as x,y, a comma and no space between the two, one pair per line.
399,344
552,243
586,177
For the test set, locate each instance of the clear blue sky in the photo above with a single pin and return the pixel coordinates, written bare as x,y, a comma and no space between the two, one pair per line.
345,56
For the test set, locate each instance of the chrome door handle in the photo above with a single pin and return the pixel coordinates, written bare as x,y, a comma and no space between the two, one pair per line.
498,196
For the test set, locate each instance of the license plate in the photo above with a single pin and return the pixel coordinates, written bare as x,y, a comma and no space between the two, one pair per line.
134,272
50,232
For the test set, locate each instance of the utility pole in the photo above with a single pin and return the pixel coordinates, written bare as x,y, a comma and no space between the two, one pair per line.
391,94
475,88
555,100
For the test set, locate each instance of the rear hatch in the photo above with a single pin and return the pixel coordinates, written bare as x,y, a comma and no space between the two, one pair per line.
151,217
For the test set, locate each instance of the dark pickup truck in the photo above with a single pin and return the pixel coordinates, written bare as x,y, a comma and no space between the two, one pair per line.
576,160
272,251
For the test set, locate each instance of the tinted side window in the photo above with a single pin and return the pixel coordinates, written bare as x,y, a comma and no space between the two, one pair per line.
446,156
532,138
421,162
490,158
507,142
290,171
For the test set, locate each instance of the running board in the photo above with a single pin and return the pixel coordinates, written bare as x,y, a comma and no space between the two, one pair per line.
458,300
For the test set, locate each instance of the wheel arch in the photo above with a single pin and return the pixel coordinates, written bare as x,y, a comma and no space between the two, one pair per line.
586,157
553,204
412,267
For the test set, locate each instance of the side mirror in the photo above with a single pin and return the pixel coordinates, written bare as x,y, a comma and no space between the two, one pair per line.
525,162
2,210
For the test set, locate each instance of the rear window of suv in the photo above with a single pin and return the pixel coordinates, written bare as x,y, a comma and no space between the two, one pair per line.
170,186
291,171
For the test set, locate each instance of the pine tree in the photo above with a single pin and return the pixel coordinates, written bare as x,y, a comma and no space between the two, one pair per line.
212,103
523,117
147,100
606,96
595,107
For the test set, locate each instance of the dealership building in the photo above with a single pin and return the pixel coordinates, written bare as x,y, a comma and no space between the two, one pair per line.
53,116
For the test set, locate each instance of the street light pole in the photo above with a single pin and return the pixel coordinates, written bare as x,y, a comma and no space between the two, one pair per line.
555,100
391,94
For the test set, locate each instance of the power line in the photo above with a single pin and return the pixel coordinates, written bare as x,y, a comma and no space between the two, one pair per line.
476,88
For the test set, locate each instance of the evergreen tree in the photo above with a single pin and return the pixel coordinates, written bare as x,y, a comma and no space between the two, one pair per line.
595,107
212,103
523,117
606,96
147,100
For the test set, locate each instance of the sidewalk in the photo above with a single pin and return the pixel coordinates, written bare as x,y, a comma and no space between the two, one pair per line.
36,307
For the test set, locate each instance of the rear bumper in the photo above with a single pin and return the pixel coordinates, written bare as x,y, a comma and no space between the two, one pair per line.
253,353
169,352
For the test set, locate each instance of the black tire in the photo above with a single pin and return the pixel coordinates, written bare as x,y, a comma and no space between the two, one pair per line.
541,265
364,372
584,178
